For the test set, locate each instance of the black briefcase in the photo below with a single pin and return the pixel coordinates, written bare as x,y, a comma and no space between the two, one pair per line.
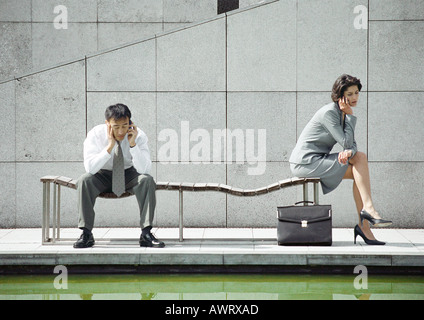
309,225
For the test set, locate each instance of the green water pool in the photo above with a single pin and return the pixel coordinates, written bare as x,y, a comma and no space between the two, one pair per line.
210,287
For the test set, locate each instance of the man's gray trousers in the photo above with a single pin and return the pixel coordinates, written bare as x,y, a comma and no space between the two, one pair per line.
90,186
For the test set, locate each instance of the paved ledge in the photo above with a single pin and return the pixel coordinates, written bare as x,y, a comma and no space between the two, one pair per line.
210,250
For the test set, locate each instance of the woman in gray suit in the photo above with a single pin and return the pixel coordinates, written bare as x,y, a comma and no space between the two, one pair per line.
335,123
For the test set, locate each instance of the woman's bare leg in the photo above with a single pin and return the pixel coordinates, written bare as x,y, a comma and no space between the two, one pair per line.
365,227
357,198
361,177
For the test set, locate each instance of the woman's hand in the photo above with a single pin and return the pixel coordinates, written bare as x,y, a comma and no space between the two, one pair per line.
132,134
344,156
344,106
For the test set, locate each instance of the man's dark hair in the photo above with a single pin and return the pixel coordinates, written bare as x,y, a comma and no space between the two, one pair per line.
117,111
342,83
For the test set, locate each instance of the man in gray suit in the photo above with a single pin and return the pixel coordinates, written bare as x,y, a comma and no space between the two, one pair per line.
117,159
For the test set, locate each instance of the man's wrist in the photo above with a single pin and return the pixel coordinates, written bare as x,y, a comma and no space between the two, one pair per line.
109,148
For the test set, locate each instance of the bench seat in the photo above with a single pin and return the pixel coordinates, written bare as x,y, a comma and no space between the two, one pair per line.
60,181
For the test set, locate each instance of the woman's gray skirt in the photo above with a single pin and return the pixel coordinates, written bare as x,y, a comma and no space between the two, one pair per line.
327,168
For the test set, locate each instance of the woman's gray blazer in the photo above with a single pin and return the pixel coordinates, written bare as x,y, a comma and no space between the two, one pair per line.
323,131
311,157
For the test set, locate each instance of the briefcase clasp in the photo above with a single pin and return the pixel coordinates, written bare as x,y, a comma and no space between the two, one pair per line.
304,223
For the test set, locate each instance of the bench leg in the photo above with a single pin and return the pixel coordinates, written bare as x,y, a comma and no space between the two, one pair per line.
181,216
316,193
305,193
44,223
56,213
45,226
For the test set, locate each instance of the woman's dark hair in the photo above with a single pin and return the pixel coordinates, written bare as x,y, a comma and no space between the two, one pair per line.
117,111
342,83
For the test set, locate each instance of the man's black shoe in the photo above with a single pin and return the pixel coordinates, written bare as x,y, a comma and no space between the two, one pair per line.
86,240
149,240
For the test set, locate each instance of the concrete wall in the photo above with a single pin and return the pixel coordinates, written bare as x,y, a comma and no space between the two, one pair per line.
266,67
29,39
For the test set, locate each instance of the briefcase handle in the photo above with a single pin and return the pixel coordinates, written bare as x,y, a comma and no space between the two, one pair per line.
304,202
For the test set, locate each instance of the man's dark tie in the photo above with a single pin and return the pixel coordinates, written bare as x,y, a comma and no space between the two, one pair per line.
118,174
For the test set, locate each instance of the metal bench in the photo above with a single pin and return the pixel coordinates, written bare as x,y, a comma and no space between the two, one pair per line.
51,198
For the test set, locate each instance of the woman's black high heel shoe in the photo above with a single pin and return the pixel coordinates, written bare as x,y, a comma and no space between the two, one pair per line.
358,231
375,222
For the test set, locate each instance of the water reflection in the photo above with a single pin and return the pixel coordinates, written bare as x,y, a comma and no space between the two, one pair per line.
211,287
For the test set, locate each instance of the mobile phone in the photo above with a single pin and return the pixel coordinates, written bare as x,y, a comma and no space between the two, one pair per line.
348,101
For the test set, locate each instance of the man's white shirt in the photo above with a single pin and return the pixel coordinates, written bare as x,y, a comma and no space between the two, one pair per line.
96,156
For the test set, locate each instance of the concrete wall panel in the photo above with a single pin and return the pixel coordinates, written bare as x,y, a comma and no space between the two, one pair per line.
29,191
396,57
395,126
397,192
110,35
188,10
189,119
8,195
193,59
51,114
329,44
52,46
130,10
77,11
15,53
7,121
270,111
15,10
132,68
261,48
396,9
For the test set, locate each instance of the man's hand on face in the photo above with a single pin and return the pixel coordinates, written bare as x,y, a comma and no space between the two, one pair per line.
118,129
110,137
